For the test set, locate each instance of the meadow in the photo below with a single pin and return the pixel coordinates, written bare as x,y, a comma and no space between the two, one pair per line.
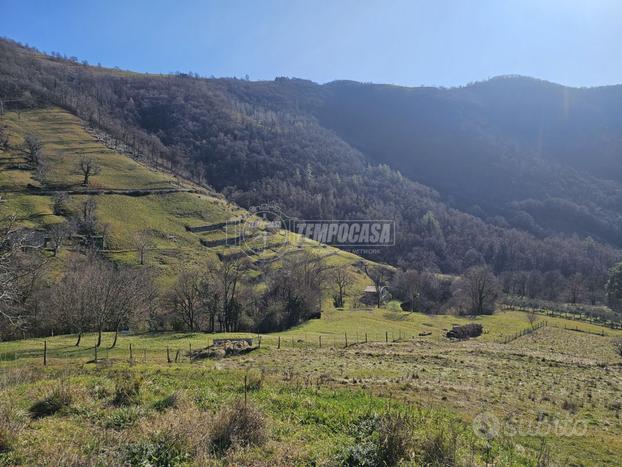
553,394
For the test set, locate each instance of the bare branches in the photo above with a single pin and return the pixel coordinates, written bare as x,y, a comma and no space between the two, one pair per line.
58,234
343,280
32,148
142,243
378,276
88,167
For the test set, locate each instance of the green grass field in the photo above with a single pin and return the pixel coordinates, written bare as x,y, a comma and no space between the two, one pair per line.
555,388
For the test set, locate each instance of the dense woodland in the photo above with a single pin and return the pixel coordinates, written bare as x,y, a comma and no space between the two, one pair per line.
497,175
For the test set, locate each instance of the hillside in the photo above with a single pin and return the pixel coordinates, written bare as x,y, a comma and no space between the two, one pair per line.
356,151
547,155
132,201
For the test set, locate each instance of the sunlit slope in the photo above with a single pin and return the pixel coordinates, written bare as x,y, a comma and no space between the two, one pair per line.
132,199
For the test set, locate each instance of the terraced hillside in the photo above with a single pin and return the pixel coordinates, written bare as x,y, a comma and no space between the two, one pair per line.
132,199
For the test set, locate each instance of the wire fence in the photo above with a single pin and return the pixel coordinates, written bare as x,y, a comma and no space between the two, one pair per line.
568,315
523,332
183,351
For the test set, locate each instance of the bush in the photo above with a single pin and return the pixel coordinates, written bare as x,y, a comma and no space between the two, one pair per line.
122,418
54,402
127,389
466,331
7,439
11,423
439,449
168,402
160,450
238,424
380,440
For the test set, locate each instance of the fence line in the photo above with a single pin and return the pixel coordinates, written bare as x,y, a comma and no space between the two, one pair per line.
569,315
133,352
523,332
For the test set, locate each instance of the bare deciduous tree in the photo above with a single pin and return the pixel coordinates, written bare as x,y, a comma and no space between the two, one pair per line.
576,287
4,138
32,149
226,277
60,203
19,277
187,299
88,167
342,279
480,290
87,222
58,234
9,245
378,276
409,284
95,294
143,243
532,317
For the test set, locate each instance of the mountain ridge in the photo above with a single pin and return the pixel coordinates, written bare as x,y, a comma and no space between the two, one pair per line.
439,165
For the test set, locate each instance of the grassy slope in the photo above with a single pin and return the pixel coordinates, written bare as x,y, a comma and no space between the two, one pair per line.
162,217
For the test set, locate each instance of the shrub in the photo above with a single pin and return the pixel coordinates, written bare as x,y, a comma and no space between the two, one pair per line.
54,402
127,389
160,450
394,440
7,439
380,440
465,331
11,422
238,424
122,418
438,449
169,402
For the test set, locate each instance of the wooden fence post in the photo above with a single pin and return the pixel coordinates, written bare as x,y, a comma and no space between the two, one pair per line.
386,336
278,345
45,353
346,335
320,339
168,355
245,388
131,353
366,338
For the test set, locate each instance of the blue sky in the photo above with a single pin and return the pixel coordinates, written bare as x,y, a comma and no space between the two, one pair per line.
409,42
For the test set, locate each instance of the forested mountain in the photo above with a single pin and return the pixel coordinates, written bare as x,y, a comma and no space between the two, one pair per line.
518,173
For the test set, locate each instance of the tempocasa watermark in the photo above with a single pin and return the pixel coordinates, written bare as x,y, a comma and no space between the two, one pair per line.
267,228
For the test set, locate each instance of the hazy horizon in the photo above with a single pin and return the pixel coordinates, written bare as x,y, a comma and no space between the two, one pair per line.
449,43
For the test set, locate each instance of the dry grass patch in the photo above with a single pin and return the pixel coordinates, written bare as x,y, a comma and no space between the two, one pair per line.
238,424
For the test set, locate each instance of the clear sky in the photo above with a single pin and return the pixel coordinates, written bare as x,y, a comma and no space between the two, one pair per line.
410,42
